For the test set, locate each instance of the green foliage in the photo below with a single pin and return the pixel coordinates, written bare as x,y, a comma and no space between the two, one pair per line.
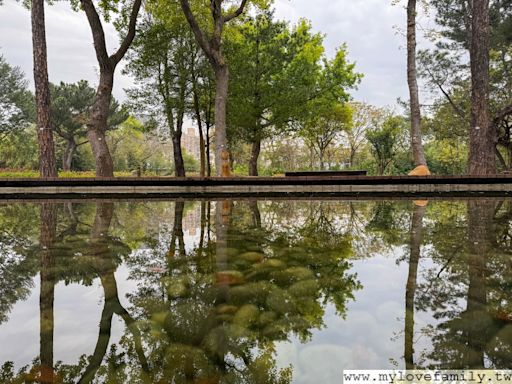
17,108
385,141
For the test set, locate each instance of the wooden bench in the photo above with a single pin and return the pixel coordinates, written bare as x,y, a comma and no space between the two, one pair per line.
326,173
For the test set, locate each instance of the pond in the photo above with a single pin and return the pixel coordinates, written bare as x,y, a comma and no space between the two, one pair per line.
269,291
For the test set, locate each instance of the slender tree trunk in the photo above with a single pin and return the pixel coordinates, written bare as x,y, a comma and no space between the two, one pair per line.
416,139
48,223
97,126
321,158
69,152
179,164
222,155
482,136
202,148
416,238
352,156
47,163
208,152
255,154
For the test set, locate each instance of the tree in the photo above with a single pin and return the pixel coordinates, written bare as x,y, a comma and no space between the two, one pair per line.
363,119
482,133
98,121
322,129
412,80
47,165
489,22
16,101
162,63
71,107
211,44
384,142
265,57
327,113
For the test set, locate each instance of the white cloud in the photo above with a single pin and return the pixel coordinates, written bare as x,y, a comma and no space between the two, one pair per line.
367,26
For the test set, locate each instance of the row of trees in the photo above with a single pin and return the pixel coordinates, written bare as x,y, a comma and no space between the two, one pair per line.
475,94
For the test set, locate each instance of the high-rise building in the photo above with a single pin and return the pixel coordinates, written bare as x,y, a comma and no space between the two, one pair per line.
190,142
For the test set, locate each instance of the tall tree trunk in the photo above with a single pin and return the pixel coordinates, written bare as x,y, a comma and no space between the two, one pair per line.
477,319
179,164
416,139
208,152
255,154
482,135
69,152
47,163
48,227
97,126
202,148
416,238
222,155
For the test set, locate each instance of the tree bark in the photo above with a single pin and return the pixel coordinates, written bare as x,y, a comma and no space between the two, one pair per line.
412,79
47,163
255,154
69,152
221,140
179,164
482,135
208,152
97,126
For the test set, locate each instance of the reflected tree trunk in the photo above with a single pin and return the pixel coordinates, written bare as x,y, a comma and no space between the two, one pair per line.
480,232
48,233
177,230
102,253
416,238
256,215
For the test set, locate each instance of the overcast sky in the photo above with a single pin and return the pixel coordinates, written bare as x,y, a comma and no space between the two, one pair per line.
367,26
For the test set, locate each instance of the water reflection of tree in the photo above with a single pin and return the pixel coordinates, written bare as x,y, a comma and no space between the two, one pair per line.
468,289
216,312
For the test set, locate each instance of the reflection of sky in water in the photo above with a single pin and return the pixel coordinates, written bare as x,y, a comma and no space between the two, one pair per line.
370,337
363,340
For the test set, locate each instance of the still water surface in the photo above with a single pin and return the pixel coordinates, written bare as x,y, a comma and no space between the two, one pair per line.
251,291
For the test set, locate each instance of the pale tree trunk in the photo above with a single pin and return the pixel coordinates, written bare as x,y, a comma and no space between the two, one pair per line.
255,154
69,152
416,238
222,156
482,135
47,163
97,126
212,47
416,137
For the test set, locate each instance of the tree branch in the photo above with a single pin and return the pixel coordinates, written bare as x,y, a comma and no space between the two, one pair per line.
98,34
196,29
237,13
116,57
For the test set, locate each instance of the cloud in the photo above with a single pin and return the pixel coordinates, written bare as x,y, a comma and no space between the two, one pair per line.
367,26
71,55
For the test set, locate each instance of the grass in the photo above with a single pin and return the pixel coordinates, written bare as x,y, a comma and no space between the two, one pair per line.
27,173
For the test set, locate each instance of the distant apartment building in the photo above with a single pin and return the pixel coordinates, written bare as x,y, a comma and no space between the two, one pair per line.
190,142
